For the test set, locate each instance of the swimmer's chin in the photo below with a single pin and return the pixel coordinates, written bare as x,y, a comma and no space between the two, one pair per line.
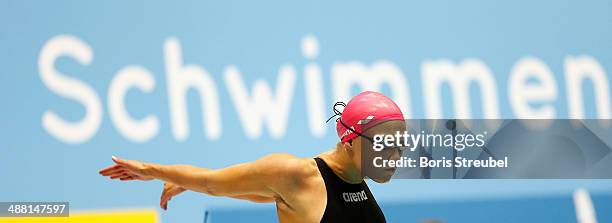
382,177
383,180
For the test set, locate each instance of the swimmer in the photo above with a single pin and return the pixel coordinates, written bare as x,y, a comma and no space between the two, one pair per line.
327,188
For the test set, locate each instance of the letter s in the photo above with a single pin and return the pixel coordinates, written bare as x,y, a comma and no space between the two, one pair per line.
69,132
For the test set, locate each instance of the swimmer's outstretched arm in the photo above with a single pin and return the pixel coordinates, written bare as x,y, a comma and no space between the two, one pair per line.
270,177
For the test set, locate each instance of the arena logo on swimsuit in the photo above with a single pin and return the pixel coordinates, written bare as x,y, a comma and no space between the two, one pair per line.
263,106
354,196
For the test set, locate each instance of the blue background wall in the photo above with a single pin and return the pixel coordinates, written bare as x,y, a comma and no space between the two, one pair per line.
258,37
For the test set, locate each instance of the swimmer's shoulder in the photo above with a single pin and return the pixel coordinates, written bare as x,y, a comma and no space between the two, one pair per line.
293,167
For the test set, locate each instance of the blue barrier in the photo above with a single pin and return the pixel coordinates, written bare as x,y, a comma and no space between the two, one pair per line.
524,209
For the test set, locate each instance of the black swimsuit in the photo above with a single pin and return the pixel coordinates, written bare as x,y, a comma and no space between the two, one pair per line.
347,202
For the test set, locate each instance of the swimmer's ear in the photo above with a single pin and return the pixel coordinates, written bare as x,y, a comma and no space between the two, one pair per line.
348,145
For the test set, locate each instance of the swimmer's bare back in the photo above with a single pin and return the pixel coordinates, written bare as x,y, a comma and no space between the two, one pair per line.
294,184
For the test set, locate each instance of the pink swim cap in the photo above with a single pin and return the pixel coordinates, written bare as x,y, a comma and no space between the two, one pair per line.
364,111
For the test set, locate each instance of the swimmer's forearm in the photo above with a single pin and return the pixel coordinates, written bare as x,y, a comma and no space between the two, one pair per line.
186,176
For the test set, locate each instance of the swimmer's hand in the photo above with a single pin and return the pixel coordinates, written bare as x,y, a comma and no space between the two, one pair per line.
126,170
170,190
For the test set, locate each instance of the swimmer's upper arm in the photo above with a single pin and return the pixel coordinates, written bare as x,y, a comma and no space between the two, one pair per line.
269,176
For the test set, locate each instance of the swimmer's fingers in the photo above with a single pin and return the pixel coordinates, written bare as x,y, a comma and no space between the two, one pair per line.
135,169
117,175
123,176
120,165
110,169
169,191
163,200
125,170
132,165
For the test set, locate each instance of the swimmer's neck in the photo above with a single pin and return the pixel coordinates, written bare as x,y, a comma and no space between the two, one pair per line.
342,165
